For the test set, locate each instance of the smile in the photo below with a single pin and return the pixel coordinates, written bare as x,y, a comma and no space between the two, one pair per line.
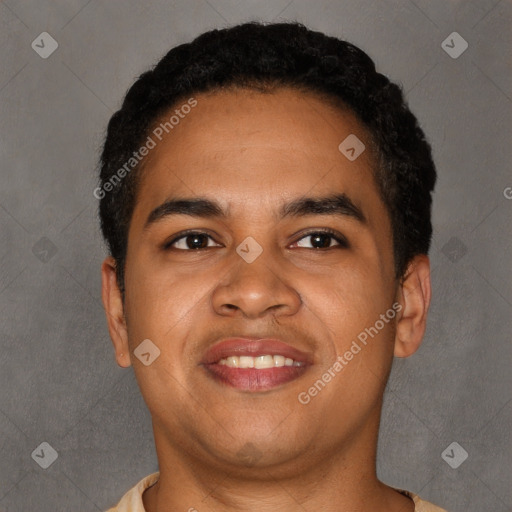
260,362
255,365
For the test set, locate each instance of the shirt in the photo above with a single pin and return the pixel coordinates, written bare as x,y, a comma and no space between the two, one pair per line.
132,500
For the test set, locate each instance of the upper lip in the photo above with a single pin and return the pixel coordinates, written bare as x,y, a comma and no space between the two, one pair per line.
253,347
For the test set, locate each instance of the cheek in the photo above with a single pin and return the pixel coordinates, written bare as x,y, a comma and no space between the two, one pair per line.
367,339
350,300
162,301
163,307
351,306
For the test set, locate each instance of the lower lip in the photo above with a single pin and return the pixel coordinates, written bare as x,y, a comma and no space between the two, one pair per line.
250,379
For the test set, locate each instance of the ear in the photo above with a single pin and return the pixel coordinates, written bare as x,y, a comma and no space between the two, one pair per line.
414,295
113,304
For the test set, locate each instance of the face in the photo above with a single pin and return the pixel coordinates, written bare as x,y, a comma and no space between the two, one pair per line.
255,260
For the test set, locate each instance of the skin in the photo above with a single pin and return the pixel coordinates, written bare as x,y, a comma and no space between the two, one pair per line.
253,152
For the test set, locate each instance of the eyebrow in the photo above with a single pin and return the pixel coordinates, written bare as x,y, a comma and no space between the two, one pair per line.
336,204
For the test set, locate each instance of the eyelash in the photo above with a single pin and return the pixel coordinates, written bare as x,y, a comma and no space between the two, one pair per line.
343,243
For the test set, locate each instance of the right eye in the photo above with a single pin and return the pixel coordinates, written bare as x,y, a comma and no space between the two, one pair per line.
189,240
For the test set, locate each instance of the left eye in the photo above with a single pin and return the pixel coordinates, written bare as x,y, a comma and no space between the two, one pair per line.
322,239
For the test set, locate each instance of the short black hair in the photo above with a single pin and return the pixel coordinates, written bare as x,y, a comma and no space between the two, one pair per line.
265,56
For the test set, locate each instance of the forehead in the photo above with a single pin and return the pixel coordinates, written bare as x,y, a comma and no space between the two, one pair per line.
249,148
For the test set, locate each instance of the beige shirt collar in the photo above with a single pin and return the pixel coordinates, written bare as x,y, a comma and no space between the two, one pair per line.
132,500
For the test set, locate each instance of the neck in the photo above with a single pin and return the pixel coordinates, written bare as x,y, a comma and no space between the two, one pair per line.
340,479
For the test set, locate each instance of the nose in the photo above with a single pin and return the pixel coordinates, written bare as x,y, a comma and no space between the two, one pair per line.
255,290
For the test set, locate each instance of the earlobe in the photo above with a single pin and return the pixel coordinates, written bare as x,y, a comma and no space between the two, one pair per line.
114,310
414,295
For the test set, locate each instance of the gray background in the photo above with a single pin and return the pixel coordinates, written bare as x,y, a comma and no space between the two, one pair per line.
59,380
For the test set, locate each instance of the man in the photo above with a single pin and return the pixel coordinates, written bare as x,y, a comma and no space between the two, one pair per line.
265,196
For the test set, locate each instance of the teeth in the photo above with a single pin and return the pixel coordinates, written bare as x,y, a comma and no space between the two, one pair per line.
244,361
233,361
279,360
263,362
259,362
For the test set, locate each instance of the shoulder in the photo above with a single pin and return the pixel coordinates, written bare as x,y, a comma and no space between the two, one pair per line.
132,500
421,505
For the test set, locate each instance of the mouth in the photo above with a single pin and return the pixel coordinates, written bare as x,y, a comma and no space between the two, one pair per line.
255,364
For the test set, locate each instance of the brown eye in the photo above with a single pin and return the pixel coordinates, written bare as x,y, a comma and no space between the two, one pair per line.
322,239
192,240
